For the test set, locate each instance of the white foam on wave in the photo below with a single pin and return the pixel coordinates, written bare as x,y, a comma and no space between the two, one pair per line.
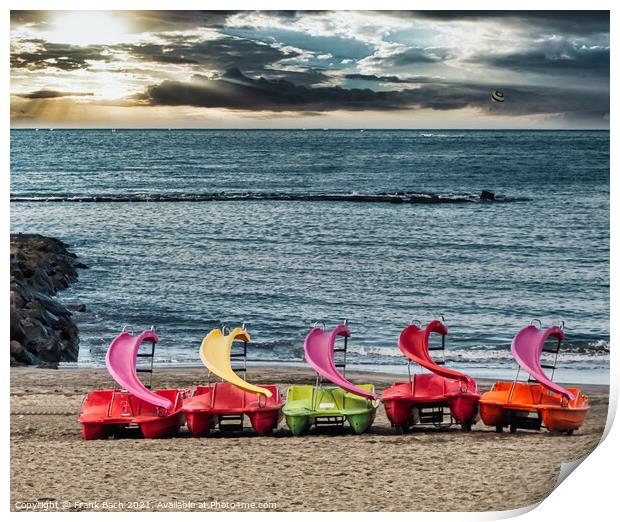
381,351
600,345
487,353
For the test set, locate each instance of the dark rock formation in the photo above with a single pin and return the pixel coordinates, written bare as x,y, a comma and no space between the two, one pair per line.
396,197
43,331
76,307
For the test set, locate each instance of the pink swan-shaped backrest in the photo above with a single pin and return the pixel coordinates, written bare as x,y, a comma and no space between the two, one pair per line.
319,352
527,347
121,363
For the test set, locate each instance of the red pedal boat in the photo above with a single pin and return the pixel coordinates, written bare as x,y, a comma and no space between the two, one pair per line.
226,404
425,397
158,414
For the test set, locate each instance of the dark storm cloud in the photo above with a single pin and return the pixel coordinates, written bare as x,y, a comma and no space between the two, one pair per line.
162,21
221,54
388,79
236,91
307,76
228,53
34,18
60,56
568,60
158,53
48,94
571,22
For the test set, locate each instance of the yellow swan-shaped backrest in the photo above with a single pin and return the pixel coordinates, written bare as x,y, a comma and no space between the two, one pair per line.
215,355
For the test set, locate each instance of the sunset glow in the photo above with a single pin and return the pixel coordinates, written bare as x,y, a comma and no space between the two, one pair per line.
87,28
310,69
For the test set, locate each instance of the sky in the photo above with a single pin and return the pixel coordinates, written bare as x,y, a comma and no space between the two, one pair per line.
305,69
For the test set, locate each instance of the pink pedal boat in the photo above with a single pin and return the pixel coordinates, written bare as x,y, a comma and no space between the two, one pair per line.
425,397
158,414
225,404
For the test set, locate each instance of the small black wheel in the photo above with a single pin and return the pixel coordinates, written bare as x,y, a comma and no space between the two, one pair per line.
400,429
570,432
466,427
513,428
499,429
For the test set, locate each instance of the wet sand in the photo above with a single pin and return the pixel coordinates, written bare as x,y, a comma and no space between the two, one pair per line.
423,470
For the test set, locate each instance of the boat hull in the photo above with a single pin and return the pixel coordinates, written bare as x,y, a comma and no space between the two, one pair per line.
107,412
328,406
531,406
563,420
405,402
211,405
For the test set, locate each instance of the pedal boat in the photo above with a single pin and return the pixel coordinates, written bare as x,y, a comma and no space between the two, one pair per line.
329,406
433,397
157,414
225,405
540,401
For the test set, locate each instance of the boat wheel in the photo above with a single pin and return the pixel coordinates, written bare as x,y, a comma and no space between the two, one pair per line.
466,427
499,429
513,428
570,432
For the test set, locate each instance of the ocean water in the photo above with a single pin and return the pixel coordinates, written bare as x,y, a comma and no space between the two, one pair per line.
187,266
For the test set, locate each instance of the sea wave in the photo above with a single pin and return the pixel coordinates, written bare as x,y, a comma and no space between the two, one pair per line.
594,352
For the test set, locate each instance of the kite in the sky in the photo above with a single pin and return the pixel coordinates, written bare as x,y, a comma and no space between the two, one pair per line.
497,96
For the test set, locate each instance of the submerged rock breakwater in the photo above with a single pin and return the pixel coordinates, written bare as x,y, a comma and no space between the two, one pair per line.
397,197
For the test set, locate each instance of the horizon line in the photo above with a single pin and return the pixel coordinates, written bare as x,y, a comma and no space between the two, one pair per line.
552,129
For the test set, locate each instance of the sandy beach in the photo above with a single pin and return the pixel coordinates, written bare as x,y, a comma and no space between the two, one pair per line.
424,470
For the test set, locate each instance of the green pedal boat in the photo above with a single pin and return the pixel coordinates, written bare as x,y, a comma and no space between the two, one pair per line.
329,405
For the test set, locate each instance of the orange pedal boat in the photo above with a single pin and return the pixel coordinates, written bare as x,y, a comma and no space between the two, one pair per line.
531,405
